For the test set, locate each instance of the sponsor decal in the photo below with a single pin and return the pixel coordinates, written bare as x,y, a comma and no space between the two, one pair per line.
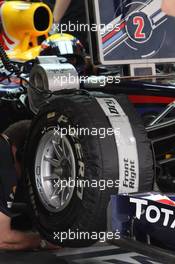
110,107
154,214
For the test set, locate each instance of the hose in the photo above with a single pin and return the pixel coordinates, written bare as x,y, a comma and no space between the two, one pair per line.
6,61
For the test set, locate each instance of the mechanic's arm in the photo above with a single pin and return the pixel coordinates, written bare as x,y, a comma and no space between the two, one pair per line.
60,8
16,240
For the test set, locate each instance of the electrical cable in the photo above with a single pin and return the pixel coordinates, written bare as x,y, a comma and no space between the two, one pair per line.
6,61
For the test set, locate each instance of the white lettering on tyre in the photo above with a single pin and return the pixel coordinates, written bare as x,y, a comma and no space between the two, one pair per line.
126,145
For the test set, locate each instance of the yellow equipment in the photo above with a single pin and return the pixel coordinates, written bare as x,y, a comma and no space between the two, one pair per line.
22,24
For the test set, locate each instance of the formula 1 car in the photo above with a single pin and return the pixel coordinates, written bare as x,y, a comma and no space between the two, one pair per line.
69,144
87,140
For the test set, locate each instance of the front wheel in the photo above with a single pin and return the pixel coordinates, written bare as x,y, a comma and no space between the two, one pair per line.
81,149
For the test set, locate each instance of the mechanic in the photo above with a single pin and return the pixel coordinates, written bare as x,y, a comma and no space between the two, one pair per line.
71,12
11,144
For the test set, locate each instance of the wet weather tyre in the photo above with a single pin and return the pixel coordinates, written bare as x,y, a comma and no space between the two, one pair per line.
97,164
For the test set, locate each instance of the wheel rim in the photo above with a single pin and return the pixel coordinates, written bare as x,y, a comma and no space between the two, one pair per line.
55,171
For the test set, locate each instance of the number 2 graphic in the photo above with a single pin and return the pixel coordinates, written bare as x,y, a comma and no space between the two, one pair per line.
139,22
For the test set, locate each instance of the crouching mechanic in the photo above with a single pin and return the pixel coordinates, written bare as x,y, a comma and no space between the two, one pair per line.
11,141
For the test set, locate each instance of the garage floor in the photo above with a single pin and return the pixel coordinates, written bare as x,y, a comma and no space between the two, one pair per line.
98,254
